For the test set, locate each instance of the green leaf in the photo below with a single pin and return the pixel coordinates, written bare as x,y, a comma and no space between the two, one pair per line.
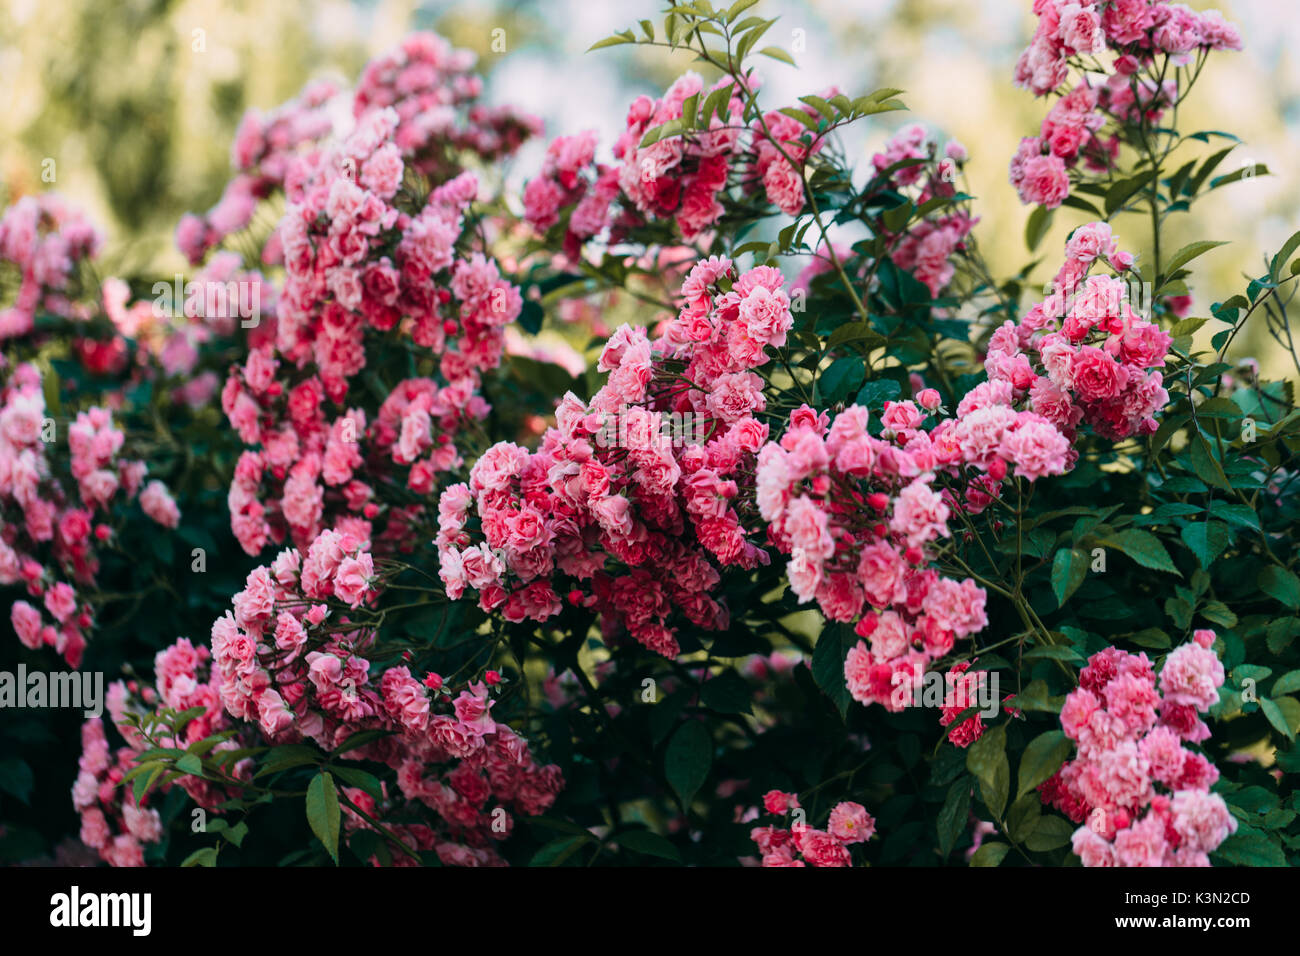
1118,194
1207,540
615,40
559,850
1250,847
1068,570
1275,717
651,844
1151,637
1144,548
1281,585
237,833
776,53
841,377
291,755
989,854
1280,634
142,784
1189,252
987,761
207,856
1023,817
954,814
356,777
1052,831
191,765
1249,171
875,393
1187,327
323,812
1040,220
1042,758
1053,652
1279,260
737,8
688,759
852,332
1035,697
1288,683
828,663
1205,465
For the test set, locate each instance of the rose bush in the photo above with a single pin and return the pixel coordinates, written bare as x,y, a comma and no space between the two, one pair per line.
839,551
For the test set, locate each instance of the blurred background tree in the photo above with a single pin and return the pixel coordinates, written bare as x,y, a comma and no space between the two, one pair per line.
136,102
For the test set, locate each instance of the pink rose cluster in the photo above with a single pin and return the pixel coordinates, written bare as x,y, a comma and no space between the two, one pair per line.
910,161
288,660
1132,88
64,513
264,148
778,153
102,794
1069,29
45,239
351,472
434,91
635,495
857,514
963,689
1083,354
681,177
798,844
572,182
1142,795
359,266
112,823
357,257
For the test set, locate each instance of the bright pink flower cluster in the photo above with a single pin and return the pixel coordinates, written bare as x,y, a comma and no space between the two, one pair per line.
55,542
679,177
635,492
1130,729
571,179
912,162
857,514
264,148
778,154
682,177
802,845
112,823
356,258
1076,33
102,793
46,239
431,87
1068,29
356,265
289,660
1083,354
